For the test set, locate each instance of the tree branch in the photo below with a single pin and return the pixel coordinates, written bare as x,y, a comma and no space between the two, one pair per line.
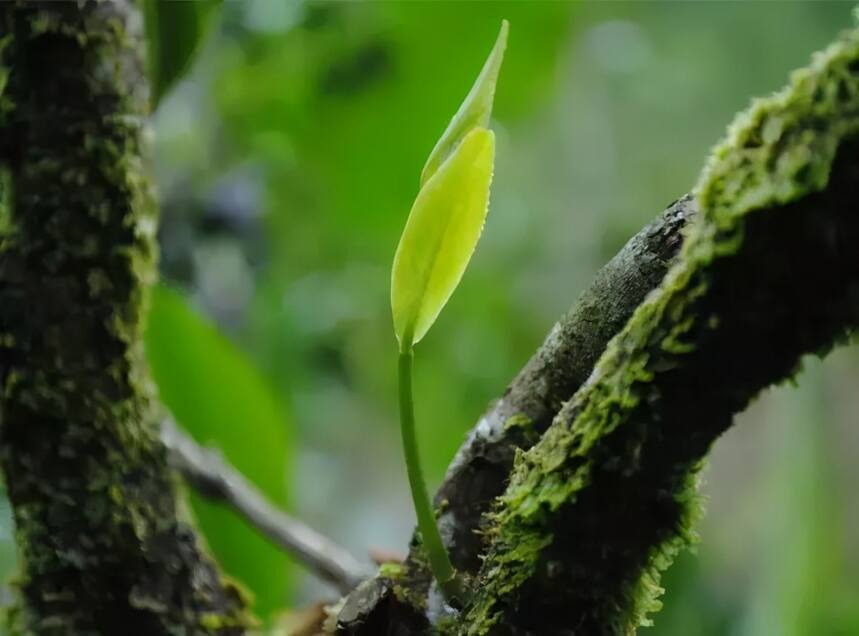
212,477
560,366
480,470
769,273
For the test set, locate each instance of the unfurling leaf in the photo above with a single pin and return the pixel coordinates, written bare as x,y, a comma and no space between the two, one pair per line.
447,217
441,233
475,109
440,236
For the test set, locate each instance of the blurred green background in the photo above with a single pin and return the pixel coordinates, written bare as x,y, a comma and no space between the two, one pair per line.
287,157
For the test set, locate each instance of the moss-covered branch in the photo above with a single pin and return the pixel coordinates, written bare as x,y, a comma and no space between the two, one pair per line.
769,272
479,473
101,547
554,373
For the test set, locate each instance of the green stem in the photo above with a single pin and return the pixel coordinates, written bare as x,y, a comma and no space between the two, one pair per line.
451,585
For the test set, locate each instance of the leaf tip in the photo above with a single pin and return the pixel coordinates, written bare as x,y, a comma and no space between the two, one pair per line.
475,109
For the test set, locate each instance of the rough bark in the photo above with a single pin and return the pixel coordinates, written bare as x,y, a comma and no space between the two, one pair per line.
770,272
101,546
479,472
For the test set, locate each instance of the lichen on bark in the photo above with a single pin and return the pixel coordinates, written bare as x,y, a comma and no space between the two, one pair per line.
768,273
101,546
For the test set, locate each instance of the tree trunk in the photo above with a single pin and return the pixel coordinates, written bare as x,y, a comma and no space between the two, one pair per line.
102,548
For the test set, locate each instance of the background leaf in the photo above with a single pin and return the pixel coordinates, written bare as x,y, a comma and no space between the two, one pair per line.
174,30
220,398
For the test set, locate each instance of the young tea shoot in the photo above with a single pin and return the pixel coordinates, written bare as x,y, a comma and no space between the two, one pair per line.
441,233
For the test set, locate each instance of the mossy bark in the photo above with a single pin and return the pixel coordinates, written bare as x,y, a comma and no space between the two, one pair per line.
769,272
101,547
554,373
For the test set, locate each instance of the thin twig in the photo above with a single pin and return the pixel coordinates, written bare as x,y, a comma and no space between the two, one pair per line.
207,471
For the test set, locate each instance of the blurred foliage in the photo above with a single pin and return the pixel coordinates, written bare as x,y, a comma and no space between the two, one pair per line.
174,30
217,395
287,160
786,566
